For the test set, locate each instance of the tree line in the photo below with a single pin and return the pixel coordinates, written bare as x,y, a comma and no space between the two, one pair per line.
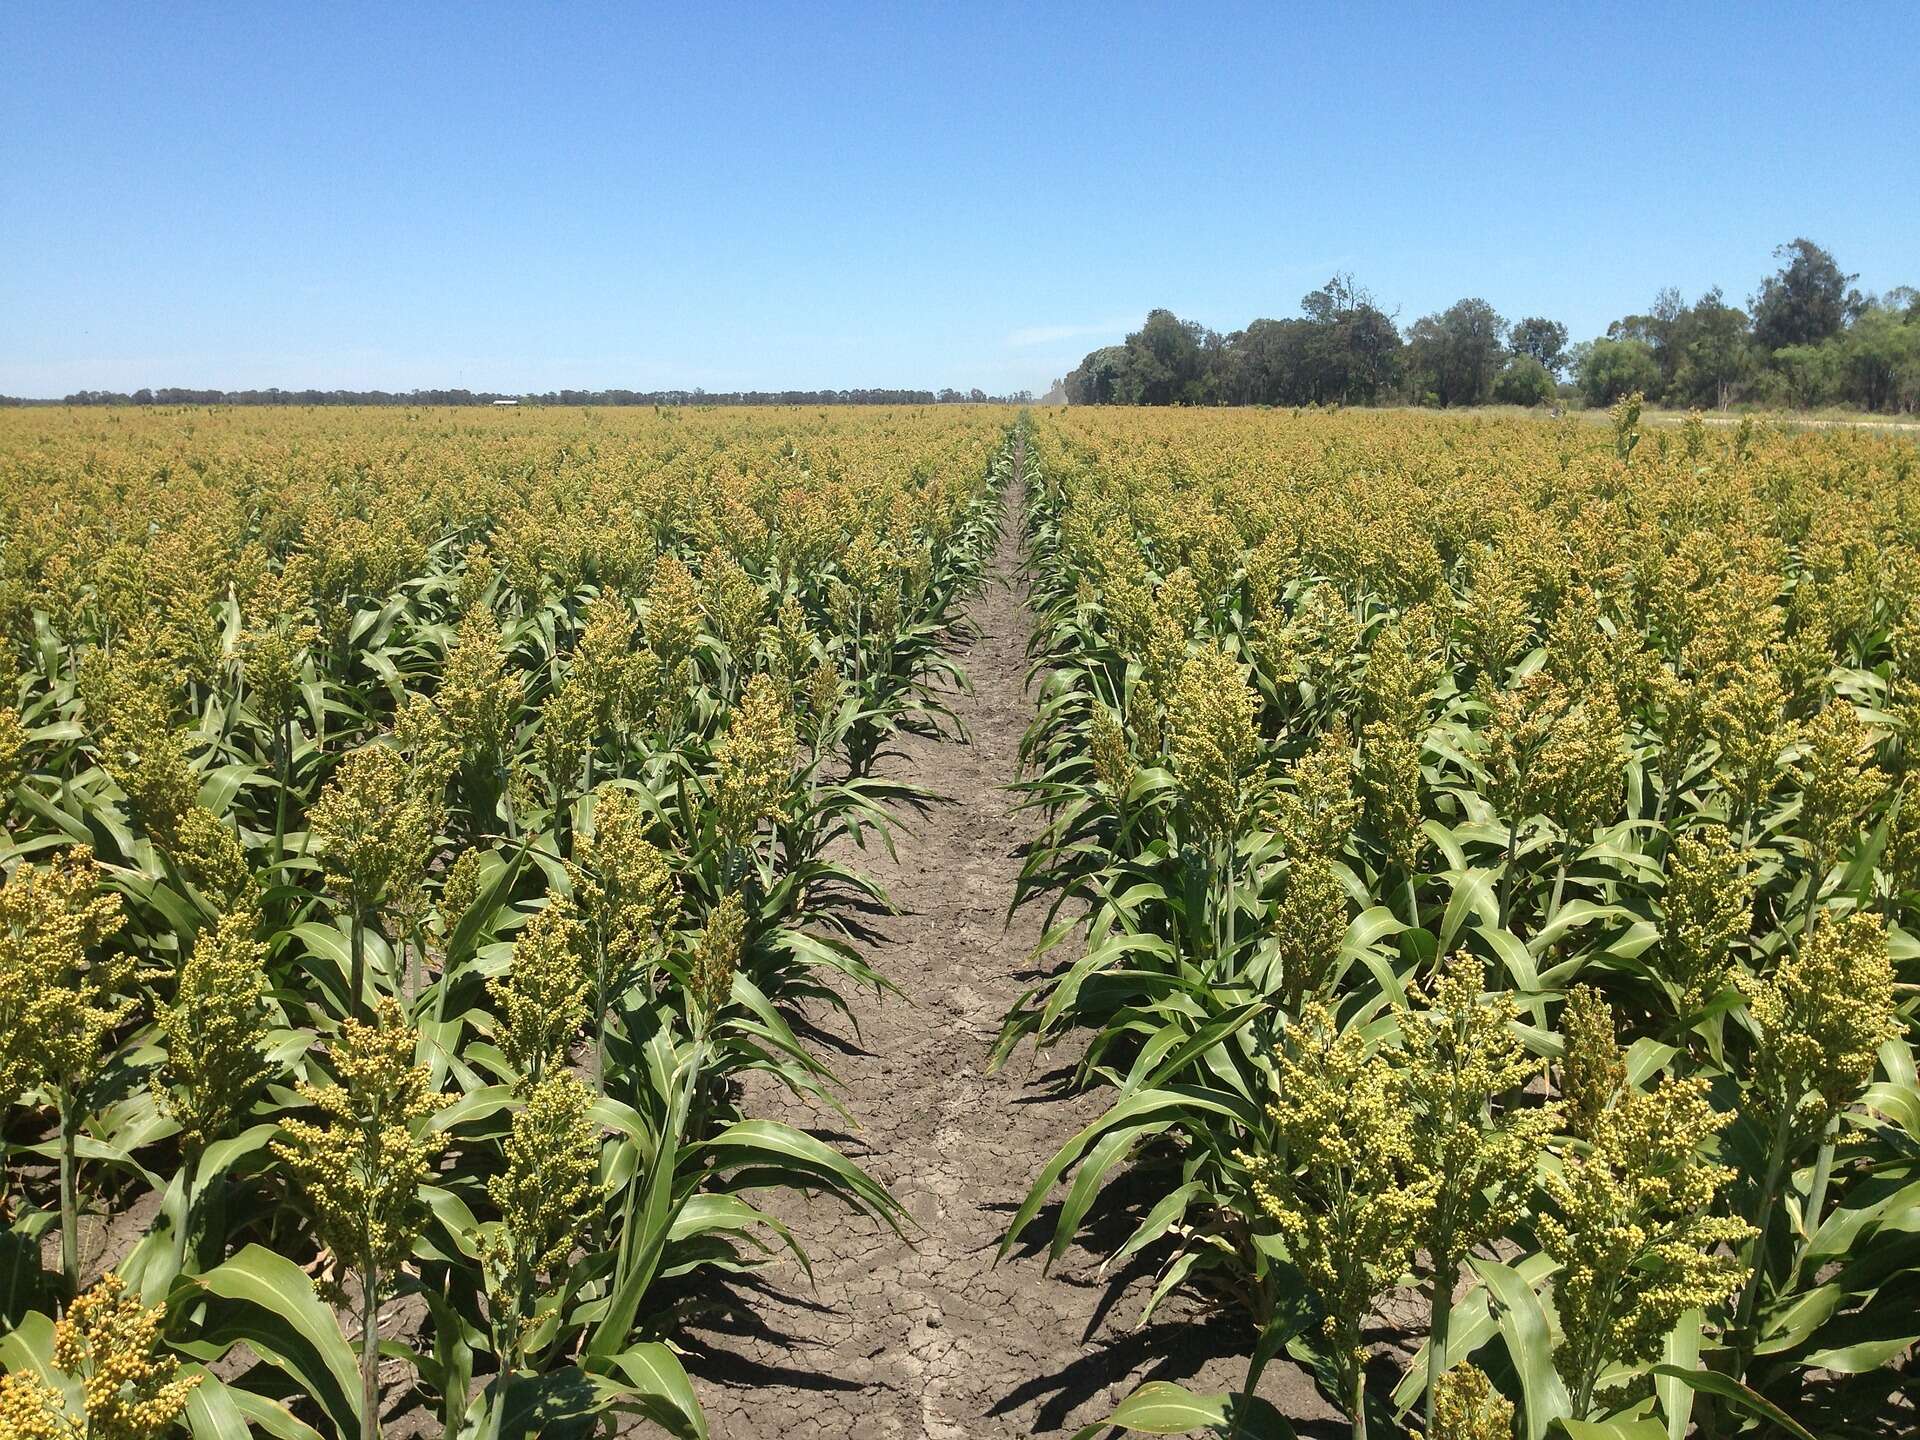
174,395
1807,337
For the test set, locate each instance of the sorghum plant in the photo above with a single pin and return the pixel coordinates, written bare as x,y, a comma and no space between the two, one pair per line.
215,1032
1344,1188
61,989
628,901
1463,1065
546,1196
542,995
374,830
360,1170
1631,1224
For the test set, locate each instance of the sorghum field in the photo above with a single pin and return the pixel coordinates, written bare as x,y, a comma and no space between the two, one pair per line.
949,921
416,829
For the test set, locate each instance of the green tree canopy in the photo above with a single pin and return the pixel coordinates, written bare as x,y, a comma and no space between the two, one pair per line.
1806,301
1542,340
1612,368
1455,355
1524,381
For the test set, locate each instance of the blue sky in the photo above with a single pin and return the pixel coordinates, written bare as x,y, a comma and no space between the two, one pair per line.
540,196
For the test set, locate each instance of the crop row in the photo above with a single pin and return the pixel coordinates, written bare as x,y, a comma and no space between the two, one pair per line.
417,826
1484,881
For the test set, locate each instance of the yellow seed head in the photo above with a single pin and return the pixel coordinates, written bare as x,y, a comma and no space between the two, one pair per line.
373,827
542,996
545,1196
130,1388
216,1031
479,697
753,762
1632,1228
733,605
1707,906
716,956
1822,1015
1593,1072
623,886
672,621
59,986
1214,745
362,1167
1113,763
1467,1407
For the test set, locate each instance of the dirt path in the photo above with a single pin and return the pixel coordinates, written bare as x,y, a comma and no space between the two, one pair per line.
927,1336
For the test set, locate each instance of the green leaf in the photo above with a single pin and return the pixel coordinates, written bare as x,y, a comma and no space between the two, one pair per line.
661,1391
1523,1325
561,1405
645,1236
28,1348
1683,1353
1734,1393
1146,1105
1639,1427
792,1154
1160,1407
1473,894
225,1412
274,1309
1572,916
1090,1179
1862,1357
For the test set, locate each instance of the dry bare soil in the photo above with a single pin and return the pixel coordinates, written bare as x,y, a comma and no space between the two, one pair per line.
925,1334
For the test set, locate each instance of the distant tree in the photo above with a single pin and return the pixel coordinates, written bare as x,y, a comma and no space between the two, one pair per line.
1612,368
1099,378
1542,339
1808,375
1273,364
1350,346
1164,361
1454,356
1881,356
1656,330
1523,380
1713,351
1806,301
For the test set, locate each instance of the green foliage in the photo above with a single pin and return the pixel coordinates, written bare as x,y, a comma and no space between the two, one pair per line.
1610,717
1612,368
290,666
1523,380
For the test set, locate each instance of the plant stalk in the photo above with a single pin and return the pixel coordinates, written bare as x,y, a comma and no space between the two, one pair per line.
369,1356
357,968
1560,880
1438,1324
1506,870
69,1198
1750,1295
1817,1192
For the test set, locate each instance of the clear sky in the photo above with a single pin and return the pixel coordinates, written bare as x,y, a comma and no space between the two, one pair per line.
536,196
